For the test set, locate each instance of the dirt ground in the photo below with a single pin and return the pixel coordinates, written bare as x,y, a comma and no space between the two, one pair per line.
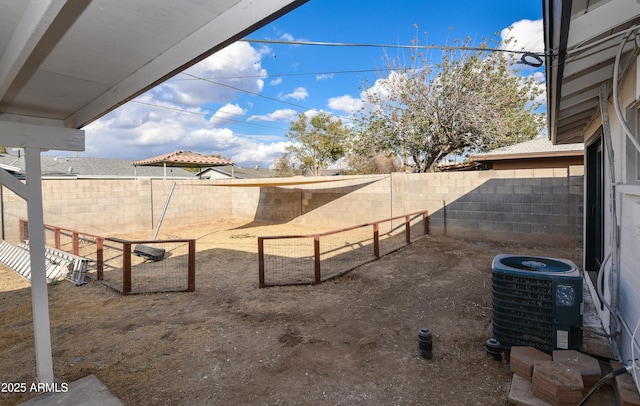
348,341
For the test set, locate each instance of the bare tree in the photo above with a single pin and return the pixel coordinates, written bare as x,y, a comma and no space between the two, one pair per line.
376,163
284,167
471,99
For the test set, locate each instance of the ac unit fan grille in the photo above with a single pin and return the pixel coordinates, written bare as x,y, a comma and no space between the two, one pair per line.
523,311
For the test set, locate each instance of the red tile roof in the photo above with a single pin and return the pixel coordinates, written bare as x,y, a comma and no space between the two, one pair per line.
184,159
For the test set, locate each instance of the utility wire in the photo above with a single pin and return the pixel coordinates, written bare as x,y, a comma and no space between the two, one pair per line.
179,110
525,54
265,76
252,93
349,44
194,77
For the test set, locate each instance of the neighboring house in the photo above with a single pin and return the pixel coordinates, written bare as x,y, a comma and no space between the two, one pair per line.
593,88
75,167
235,172
535,153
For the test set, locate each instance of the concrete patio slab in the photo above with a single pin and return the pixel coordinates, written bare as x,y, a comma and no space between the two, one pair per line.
87,391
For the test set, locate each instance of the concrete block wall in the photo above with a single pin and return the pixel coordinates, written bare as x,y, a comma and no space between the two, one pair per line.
108,206
536,206
89,205
576,200
346,201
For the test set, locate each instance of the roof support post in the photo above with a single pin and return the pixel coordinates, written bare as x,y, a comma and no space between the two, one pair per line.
39,293
35,138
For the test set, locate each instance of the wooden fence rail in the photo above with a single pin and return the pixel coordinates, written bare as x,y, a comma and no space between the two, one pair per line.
317,263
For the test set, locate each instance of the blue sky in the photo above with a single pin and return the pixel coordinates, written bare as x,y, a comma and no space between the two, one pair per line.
239,102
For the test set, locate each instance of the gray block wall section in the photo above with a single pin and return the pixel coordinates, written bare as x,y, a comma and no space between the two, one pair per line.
539,206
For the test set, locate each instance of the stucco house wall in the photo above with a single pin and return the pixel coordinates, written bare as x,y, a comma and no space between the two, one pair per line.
624,221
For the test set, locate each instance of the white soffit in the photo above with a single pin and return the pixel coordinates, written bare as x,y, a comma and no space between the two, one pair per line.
68,62
595,32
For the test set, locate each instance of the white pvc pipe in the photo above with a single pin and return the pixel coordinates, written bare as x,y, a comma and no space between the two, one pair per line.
616,103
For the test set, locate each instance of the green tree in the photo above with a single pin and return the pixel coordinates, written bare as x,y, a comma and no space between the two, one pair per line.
473,99
284,167
317,142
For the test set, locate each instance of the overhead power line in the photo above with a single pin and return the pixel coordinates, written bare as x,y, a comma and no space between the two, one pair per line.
528,58
398,46
251,92
209,113
534,59
337,72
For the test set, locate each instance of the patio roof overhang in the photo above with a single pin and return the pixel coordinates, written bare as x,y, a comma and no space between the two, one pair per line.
582,38
516,156
66,63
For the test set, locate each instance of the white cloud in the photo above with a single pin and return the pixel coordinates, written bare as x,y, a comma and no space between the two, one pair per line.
170,130
380,90
264,154
311,113
290,38
299,93
324,76
169,117
278,115
133,117
539,77
234,67
275,82
526,35
166,128
227,113
541,84
346,103
287,37
213,139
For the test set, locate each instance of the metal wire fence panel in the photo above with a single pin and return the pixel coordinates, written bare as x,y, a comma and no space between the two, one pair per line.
88,247
392,239
161,276
394,234
129,271
344,251
307,259
114,262
290,261
73,242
